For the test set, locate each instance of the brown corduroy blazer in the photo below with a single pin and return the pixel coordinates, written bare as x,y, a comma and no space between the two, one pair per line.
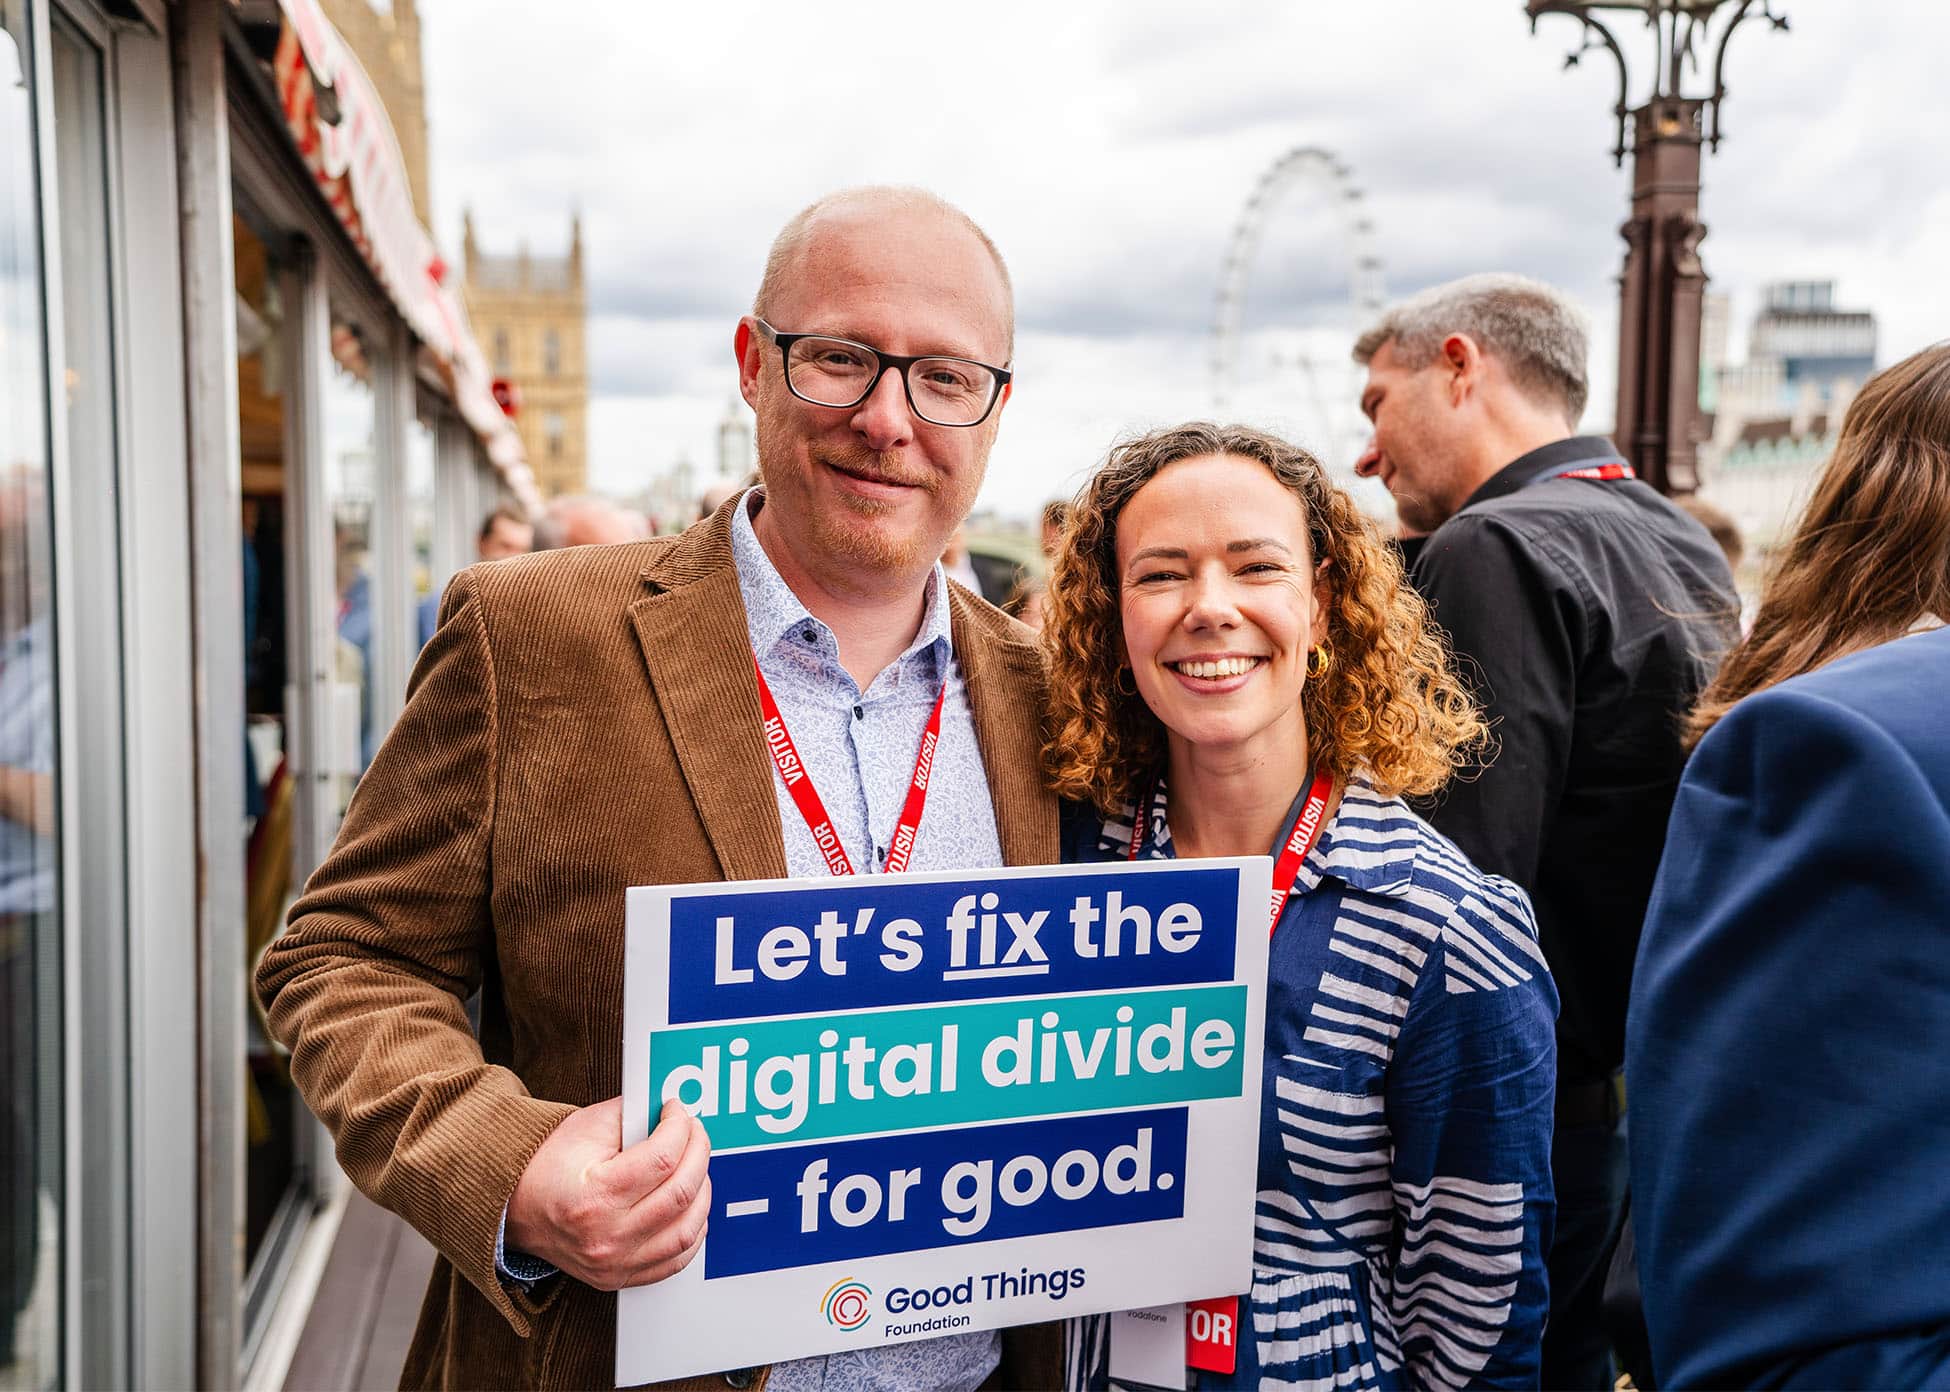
583,721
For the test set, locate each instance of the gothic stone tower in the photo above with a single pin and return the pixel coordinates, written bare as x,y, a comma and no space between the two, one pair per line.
529,313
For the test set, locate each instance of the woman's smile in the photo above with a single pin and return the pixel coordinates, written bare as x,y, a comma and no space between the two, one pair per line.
1215,675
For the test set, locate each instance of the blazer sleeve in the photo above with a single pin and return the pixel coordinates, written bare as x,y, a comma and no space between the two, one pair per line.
1788,1059
366,987
1470,1105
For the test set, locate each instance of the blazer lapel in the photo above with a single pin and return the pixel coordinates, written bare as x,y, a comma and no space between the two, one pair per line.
697,648
1005,700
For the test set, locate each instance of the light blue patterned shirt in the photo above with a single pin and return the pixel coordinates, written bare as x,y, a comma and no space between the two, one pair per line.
859,747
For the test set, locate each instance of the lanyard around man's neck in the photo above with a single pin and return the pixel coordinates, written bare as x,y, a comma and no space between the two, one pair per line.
798,782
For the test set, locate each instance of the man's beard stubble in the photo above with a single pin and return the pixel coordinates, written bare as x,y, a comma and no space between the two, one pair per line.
841,536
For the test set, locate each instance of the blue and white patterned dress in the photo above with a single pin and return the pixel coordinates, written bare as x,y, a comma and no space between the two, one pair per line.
1405,1200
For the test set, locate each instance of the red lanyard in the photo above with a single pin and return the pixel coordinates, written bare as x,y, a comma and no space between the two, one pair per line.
798,782
1605,473
1306,831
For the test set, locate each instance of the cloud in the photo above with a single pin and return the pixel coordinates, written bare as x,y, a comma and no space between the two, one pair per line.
1110,148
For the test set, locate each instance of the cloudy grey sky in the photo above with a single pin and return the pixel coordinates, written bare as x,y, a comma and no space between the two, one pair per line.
1110,147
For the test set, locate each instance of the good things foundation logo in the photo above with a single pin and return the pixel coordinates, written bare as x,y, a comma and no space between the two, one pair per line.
847,1304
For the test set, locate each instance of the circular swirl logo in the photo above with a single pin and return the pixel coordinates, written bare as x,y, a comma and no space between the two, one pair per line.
848,1304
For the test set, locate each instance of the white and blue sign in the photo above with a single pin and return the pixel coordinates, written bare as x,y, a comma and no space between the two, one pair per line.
946,1102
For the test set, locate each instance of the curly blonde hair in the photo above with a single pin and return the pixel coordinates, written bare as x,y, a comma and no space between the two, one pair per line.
1388,703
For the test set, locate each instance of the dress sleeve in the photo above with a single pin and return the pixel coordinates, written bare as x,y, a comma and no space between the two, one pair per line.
366,987
1470,1105
1788,1058
1514,624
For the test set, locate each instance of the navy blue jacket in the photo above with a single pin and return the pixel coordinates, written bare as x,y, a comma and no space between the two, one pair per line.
1788,1052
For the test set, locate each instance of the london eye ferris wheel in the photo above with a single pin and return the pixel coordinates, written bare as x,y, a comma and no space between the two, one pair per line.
1298,373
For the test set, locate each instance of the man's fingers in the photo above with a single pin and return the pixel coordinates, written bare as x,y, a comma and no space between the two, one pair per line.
643,1168
675,1197
690,1234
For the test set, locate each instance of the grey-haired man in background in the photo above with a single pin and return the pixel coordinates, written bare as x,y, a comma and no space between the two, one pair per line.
1588,611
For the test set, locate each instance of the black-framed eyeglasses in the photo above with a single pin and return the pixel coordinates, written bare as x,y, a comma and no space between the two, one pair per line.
839,372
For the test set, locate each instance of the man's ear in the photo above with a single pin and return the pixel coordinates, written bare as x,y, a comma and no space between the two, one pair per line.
749,348
1465,362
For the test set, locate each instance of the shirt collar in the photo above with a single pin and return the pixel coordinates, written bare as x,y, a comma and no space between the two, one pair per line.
1339,854
772,610
1342,854
1528,468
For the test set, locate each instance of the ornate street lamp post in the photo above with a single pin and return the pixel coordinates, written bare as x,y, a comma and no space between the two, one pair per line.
1659,291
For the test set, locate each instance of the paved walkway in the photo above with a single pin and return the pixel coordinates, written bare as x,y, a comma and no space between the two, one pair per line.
362,1318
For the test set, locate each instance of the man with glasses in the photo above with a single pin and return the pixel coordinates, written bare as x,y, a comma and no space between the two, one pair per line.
591,719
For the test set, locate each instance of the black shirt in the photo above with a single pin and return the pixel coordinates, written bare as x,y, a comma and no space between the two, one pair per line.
1587,616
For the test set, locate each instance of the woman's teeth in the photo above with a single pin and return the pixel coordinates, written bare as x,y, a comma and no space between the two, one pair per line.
1218,667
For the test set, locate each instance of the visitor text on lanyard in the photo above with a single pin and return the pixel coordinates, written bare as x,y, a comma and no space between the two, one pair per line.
798,782
1306,831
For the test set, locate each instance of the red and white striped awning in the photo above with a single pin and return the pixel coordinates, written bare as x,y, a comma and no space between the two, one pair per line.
357,163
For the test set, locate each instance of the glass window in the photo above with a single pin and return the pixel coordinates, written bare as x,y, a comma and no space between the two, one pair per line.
351,462
552,353
274,1117
93,671
552,429
423,584
31,1210
502,366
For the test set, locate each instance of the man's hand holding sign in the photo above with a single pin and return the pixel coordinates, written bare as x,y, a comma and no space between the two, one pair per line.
611,1215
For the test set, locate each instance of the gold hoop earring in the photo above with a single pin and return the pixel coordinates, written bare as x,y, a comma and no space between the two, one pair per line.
1319,660
1118,682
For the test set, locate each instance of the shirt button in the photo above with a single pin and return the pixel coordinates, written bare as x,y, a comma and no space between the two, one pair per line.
859,712
809,635
883,855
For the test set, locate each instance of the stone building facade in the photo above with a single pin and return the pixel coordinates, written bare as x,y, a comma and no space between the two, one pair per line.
529,313
386,40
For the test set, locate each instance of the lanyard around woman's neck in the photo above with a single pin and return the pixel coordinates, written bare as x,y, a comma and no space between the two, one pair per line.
1299,843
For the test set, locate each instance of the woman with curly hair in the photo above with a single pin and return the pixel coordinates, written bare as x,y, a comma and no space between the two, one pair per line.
1238,669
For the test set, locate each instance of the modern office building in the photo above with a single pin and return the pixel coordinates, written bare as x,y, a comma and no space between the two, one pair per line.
1773,418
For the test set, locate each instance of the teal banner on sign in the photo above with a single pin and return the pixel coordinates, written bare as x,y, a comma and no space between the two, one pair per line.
797,1079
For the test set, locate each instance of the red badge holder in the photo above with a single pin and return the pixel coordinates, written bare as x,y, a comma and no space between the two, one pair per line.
1212,1334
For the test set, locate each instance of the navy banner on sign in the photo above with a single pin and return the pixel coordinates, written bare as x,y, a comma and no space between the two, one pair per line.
853,943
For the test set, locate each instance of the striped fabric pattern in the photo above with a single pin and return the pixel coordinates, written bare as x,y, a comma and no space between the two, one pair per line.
1404,1201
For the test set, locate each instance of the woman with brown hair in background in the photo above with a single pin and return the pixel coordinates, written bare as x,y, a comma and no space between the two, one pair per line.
1788,1049
1236,668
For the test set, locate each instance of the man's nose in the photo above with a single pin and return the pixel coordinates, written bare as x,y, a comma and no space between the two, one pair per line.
1369,464
884,419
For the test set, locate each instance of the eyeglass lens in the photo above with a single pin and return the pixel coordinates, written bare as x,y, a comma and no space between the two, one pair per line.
834,372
